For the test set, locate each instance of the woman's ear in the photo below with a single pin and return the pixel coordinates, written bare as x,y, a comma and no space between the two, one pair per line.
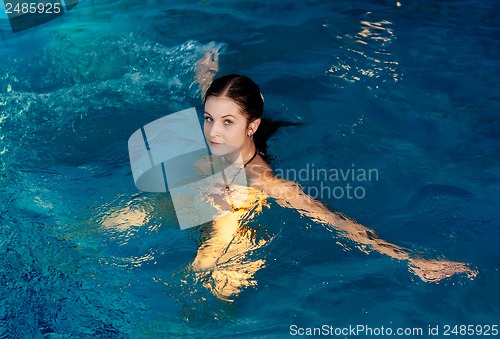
253,126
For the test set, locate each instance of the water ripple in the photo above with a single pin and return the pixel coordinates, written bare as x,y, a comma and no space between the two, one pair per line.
366,55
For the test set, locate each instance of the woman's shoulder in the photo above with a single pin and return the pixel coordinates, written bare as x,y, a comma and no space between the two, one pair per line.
259,171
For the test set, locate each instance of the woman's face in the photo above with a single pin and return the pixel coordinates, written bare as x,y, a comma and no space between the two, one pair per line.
225,128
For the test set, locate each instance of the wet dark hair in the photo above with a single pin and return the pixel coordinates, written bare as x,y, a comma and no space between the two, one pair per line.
246,94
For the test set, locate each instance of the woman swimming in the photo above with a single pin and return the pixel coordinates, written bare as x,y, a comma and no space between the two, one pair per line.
232,118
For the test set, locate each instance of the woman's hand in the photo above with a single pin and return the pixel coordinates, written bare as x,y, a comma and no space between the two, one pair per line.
209,62
207,68
435,270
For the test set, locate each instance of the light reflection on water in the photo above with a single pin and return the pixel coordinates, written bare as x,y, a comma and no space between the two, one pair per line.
367,54
124,218
226,259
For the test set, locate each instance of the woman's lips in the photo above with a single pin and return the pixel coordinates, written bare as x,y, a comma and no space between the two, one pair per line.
215,143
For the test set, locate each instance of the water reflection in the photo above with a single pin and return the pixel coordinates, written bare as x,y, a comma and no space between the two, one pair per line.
121,219
367,54
128,228
224,262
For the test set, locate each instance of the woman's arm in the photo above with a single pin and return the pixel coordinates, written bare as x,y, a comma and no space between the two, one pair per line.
207,68
289,194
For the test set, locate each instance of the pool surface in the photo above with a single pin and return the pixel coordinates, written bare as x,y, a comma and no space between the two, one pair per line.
408,90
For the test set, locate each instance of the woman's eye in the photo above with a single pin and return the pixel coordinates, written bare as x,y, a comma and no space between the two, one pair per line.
228,122
208,119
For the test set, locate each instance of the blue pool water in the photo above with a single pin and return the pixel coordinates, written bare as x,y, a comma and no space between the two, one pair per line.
409,89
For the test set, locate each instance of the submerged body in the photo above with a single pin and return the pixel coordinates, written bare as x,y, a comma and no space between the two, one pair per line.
233,109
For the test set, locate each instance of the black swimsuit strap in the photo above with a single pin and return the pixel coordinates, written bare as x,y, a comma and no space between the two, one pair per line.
253,157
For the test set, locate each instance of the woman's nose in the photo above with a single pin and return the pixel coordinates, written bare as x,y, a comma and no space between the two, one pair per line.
214,130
